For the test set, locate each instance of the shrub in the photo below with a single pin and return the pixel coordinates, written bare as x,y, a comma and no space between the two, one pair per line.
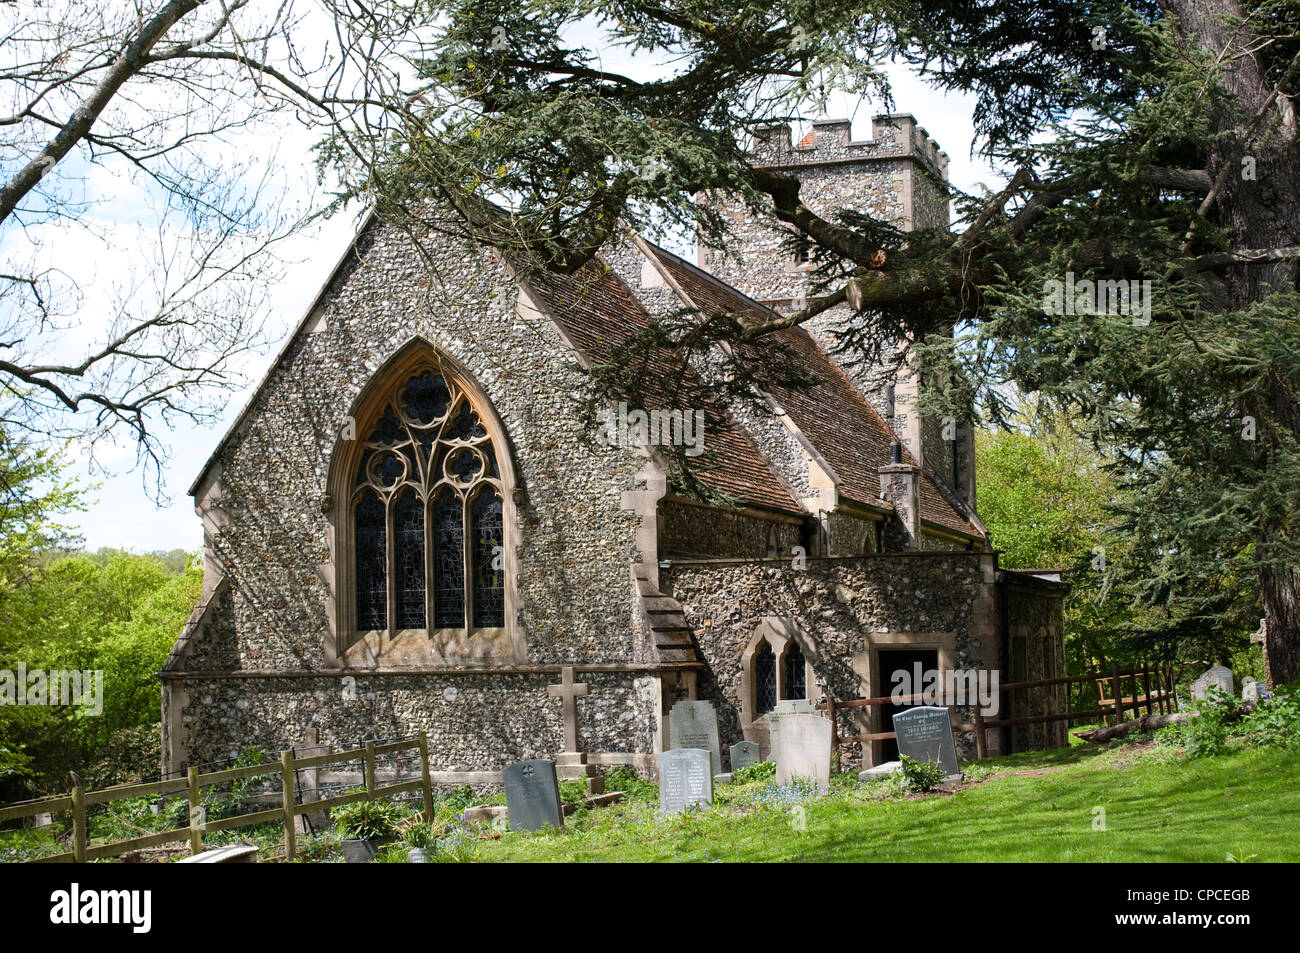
459,798
1207,733
417,832
1274,723
625,779
574,792
916,776
763,771
369,820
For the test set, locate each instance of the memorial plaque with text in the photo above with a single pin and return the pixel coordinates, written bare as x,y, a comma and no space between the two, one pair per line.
925,734
685,778
694,724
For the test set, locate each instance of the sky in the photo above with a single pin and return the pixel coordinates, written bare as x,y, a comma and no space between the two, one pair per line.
124,515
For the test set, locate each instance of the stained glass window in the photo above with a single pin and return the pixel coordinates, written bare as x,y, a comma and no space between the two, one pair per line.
765,678
795,672
489,590
408,538
372,575
448,561
428,518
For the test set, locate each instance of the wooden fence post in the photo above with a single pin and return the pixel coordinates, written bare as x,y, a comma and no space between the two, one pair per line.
980,749
286,803
1119,694
196,813
424,776
835,735
370,770
80,836
1146,683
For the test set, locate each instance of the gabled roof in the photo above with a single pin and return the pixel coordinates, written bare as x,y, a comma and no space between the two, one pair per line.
833,415
597,312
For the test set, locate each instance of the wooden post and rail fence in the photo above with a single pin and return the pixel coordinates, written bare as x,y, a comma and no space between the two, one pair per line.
79,799
1162,699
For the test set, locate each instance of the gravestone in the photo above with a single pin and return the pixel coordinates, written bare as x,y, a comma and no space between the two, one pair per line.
1215,677
795,706
1253,691
685,778
925,734
804,750
532,795
743,755
694,724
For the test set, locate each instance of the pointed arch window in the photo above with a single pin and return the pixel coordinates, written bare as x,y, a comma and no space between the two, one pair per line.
765,678
795,672
427,522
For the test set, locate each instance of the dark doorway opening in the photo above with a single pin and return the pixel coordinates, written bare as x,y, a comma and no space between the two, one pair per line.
900,660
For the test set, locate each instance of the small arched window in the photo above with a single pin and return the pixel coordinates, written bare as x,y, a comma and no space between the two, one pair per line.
764,678
795,673
425,505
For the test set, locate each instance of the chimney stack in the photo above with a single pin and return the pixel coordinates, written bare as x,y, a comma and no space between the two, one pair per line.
900,487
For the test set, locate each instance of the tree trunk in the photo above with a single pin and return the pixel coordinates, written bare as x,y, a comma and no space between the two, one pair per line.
1263,212
1145,723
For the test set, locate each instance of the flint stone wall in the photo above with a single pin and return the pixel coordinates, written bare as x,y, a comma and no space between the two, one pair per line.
576,541
513,716
837,603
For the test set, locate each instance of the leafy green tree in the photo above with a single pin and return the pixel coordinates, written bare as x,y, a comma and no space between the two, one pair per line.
36,496
1044,495
1142,141
1051,500
119,615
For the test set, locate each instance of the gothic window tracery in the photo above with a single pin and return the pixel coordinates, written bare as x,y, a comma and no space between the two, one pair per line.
426,510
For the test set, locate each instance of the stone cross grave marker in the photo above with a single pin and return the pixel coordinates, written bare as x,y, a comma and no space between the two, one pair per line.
925,734
569,693
1215,677
685,778
743,754
532,795
694,724
804,750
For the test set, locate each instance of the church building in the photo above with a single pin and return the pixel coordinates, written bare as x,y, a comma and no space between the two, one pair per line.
417,523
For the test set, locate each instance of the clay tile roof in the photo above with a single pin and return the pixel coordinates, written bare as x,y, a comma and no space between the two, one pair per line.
597,311
834,415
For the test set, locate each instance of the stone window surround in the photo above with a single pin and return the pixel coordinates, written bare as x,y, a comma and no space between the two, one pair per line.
780,634
415,649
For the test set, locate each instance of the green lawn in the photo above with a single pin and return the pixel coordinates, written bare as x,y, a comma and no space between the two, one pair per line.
1159,806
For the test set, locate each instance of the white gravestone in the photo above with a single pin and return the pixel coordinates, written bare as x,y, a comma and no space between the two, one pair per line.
804,750
1217,677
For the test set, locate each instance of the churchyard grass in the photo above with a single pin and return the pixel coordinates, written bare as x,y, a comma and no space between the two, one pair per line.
1148,799
1159,805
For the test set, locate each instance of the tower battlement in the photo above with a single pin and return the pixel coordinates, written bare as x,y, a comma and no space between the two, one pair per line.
829,141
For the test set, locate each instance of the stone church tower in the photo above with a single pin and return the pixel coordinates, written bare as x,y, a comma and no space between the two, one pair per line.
415,525
899,175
